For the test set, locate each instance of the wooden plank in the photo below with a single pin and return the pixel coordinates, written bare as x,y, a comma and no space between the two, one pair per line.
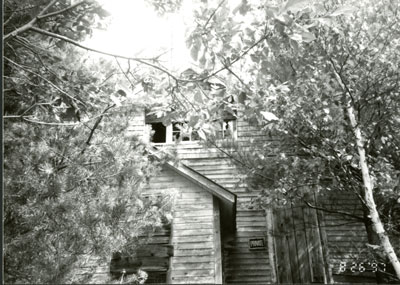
197,238
195,195
193,279
250,213
193,207
251,265
194,266
262,261
204,213
191,226
347,238
291,244
244,224
250,233
250,272
194,245
314,245
250,255
194,252
154,268
264,279
270,242
193,232
283,263
194,219
247,250
323,244
304,267
192,259
217,243
191,201
252,229
192,273
243,219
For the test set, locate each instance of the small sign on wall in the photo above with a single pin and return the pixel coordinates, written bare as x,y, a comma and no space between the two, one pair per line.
256,243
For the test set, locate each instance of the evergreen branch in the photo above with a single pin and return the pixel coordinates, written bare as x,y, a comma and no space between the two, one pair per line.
46,80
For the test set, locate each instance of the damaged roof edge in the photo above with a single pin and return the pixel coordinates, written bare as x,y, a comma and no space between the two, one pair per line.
197,178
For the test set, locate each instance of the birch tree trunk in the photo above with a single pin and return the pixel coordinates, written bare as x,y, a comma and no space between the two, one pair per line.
369,197
368,185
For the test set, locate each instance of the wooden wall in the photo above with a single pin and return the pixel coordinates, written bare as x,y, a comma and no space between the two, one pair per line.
346,237
193,259
136,125
193,229
240,264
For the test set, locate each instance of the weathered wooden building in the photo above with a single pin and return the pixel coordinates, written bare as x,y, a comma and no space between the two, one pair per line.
215,237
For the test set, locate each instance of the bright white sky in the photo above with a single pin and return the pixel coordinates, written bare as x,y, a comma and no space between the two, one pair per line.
136,30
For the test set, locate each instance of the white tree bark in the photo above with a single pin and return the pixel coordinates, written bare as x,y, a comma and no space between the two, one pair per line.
369,197
368,185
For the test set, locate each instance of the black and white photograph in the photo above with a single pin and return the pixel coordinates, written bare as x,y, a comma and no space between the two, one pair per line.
201,142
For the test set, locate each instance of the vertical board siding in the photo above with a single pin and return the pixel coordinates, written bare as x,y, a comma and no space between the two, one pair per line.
346,237
299,248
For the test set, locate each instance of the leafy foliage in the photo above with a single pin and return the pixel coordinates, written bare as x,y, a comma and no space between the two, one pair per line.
286,58
72,177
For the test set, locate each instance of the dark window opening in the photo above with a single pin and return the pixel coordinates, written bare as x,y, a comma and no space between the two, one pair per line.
159,133
227,129
176,131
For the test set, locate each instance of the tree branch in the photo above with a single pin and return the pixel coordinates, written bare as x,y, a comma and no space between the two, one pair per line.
235,75
213,13
334,211
40,17
9,19
97,124
125,73
59,124
233,61
30,24
343,83
50,124
140,60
